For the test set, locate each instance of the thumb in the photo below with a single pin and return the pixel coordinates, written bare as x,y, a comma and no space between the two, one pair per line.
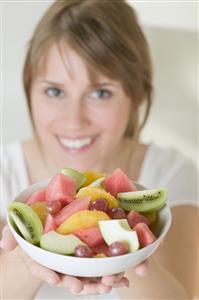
8,242
142,268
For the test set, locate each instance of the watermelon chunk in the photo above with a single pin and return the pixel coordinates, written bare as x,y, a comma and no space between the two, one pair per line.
134,217
38,196
50,224
145,235
90,236
103,248
62,188
118,182
71,208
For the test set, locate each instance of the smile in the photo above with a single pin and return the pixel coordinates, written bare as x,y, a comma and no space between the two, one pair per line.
76,144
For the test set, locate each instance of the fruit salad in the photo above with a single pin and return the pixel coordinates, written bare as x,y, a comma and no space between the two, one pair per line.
89,214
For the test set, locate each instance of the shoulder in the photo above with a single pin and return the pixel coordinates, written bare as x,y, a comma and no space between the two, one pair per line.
166,160
169,168
166,155
9,153
13,172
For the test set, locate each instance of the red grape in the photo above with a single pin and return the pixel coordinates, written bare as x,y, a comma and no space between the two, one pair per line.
83,251
99,204
117,248
54,207
117,213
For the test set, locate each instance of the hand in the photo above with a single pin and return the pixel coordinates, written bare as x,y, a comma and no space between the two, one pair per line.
76,285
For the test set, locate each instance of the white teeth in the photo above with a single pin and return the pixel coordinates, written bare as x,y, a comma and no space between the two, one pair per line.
75,144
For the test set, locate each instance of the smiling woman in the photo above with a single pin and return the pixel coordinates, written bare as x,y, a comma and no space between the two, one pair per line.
88,84
75,120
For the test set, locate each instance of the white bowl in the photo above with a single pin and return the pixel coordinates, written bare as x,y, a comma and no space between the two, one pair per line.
89,267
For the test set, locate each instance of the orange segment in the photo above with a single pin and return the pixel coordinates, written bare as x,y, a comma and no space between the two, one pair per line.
41,209
100,255
97,193
92,176
82,220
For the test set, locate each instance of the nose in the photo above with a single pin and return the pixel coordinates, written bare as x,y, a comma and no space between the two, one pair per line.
75,115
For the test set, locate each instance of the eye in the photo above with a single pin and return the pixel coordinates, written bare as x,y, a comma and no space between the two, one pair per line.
100,94
54,92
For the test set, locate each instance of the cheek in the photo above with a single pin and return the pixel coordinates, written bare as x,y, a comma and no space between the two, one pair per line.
113,120
42,115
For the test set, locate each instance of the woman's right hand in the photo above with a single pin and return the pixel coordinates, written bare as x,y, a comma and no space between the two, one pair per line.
81,286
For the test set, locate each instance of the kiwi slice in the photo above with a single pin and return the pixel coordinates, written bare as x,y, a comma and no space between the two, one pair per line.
27,221
79,177
143,201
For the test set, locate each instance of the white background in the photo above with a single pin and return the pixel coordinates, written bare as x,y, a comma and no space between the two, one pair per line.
171,29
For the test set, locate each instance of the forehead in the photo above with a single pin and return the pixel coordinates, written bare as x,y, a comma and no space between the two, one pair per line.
62,62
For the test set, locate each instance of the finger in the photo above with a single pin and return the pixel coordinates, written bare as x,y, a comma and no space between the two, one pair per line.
45,274
8,242
94,289
142,269
38,271
72,283
86,280
111,279
124,282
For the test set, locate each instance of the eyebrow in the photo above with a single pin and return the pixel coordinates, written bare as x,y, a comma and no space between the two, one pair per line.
94,84
51,82
98,84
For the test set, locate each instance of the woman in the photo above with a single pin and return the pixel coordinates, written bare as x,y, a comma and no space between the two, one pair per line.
86,75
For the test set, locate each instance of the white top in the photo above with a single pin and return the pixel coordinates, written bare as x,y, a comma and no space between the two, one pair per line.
162,167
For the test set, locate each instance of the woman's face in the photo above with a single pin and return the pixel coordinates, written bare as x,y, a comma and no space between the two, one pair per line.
78,124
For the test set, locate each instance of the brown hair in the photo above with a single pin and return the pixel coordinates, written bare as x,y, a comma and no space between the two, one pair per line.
108,37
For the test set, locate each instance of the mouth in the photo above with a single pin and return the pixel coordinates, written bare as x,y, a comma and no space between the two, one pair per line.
76,145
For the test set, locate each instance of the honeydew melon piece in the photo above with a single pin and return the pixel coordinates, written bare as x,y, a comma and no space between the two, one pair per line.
97,183
119,230
58,243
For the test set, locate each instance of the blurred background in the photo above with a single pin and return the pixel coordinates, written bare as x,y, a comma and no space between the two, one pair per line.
171,28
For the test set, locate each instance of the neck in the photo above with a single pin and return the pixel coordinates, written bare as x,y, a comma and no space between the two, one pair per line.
127,155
